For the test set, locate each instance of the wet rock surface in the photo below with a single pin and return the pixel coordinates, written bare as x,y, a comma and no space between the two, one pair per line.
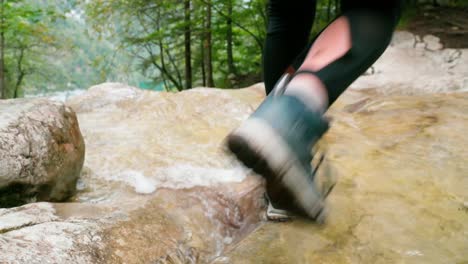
398,148
41,151
401,193
157,188
34,233
402,180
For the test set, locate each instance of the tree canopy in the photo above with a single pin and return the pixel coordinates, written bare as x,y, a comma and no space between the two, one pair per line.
48,45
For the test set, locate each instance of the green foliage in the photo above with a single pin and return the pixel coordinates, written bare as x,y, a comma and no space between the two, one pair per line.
49,47
449,3
55,45
153,31
79,60
24,28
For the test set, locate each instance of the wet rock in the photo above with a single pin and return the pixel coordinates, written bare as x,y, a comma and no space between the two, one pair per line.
155,192
28,215
103,95
34,233
155,188
402,179
41,151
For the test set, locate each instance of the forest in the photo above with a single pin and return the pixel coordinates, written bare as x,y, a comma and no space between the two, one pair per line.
48,46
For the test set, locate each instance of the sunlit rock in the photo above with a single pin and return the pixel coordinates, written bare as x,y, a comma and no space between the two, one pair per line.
41,151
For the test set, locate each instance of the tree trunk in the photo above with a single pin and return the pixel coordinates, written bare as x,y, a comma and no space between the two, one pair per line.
337,7
208,47
230,59
162,66
165,70
202,51
203,61
329,10
258,38
2,52
188,52
21,73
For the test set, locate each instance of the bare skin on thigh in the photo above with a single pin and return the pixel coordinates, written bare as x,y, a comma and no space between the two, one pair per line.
329,46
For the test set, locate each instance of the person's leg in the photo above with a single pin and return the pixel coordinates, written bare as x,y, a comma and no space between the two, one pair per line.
288,31
289,25
276,140
343,51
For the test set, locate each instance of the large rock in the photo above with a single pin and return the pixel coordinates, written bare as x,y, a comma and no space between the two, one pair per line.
157,188
401,197
41,151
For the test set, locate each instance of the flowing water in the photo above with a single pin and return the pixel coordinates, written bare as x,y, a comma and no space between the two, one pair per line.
401,162
157,156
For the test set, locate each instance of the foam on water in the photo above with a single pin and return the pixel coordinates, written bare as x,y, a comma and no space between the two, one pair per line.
186,176
137,180
179,177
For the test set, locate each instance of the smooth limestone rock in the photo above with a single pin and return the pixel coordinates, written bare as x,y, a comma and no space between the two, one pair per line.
41,151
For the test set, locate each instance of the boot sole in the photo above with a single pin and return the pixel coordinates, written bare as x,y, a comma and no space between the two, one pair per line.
278,215
260,148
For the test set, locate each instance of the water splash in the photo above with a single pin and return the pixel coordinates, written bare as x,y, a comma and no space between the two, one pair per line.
178,177
138,181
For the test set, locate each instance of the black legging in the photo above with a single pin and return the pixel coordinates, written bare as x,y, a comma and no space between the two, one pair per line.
290,21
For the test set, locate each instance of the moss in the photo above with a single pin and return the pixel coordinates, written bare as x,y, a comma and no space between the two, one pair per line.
409,12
